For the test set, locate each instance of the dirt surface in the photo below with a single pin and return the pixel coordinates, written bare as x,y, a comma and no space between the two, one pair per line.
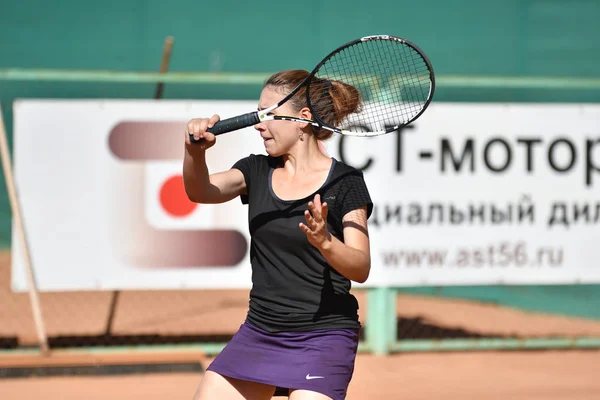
551,375
547,375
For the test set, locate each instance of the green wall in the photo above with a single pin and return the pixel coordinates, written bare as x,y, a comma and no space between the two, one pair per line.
465,37
527,37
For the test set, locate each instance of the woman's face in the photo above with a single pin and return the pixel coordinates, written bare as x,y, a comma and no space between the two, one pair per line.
278,136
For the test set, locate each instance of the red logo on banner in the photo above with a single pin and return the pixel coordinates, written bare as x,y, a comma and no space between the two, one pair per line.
173,198
177,231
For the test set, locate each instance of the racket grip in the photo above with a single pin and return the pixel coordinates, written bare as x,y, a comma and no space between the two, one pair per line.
232,124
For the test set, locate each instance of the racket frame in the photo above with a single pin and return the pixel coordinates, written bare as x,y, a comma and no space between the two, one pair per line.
263,115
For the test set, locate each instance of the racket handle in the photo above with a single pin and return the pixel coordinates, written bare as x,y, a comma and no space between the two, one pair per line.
232,124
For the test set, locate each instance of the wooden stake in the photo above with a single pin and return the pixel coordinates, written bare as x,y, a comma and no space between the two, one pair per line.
18,220
164,65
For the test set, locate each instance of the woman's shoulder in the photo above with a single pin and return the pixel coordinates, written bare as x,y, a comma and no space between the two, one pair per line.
260,160
343,169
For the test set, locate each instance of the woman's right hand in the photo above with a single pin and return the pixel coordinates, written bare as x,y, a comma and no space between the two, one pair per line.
197,128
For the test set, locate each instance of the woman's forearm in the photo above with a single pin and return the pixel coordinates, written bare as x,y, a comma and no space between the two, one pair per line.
195,175
352,263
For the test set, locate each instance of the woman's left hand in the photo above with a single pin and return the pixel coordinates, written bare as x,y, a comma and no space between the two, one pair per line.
316,224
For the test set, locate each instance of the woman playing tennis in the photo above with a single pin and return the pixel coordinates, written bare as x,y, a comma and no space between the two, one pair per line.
309,239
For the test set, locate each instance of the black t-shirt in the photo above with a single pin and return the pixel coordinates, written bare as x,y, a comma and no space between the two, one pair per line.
293,286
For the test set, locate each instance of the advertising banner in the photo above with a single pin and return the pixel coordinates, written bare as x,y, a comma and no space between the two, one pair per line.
470,194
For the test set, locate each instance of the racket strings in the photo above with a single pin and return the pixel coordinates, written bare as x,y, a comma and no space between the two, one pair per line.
392,80
421,69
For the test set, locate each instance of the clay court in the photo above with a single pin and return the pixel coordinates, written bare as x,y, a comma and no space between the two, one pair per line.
531,375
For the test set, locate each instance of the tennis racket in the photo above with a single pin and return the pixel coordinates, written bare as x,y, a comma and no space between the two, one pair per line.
393,77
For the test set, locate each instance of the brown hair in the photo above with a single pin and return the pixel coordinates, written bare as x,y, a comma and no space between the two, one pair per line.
331,100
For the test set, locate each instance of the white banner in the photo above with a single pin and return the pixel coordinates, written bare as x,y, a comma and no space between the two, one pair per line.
469,194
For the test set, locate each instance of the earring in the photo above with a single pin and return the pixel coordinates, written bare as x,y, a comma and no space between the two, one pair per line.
302,136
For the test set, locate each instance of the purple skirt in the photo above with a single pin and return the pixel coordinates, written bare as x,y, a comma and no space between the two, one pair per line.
321,361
